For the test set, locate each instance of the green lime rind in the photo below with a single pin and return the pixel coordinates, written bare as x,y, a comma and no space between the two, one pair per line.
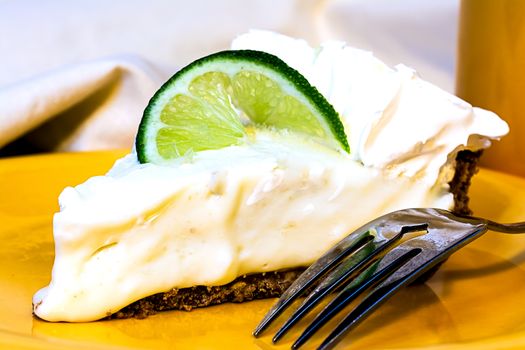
225,61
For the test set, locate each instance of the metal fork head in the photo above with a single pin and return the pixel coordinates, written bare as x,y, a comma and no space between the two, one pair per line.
375,260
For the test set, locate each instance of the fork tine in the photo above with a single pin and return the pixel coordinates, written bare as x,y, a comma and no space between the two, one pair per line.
363,310
357,263
341,274
350,293
346,247
380,295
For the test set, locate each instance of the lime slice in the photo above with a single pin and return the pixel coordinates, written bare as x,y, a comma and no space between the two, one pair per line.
215,101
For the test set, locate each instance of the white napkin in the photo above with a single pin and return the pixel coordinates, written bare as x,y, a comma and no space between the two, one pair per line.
76,75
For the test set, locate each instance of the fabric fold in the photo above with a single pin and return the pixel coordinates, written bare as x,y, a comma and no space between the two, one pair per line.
120,86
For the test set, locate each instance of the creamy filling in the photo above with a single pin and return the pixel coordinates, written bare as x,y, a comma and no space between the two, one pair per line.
276,203
144,229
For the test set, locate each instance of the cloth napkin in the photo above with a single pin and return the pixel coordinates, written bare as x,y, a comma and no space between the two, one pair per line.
76,75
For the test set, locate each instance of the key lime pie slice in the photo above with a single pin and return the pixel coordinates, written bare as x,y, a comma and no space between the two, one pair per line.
248,165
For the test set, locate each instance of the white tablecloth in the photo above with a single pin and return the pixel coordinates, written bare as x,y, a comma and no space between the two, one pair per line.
76,75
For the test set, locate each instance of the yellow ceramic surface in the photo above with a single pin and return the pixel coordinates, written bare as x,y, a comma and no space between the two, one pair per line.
476,301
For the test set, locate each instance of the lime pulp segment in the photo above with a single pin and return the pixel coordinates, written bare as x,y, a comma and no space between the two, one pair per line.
214,101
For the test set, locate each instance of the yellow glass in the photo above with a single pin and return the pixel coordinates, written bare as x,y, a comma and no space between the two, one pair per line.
475,301
491,72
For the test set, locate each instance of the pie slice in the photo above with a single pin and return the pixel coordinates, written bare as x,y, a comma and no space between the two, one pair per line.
239,222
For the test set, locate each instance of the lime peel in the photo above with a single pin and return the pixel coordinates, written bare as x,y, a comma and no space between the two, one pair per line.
197,108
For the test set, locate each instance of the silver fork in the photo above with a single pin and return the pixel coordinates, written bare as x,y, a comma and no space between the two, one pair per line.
378,259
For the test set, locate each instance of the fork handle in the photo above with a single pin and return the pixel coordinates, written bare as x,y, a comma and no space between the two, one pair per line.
518,227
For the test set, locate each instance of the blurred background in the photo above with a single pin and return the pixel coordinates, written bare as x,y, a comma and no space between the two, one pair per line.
76,75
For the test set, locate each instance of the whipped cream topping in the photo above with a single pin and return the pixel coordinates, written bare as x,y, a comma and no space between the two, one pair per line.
276,203
393,118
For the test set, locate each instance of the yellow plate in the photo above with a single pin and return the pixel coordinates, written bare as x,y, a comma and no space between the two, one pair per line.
476,301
